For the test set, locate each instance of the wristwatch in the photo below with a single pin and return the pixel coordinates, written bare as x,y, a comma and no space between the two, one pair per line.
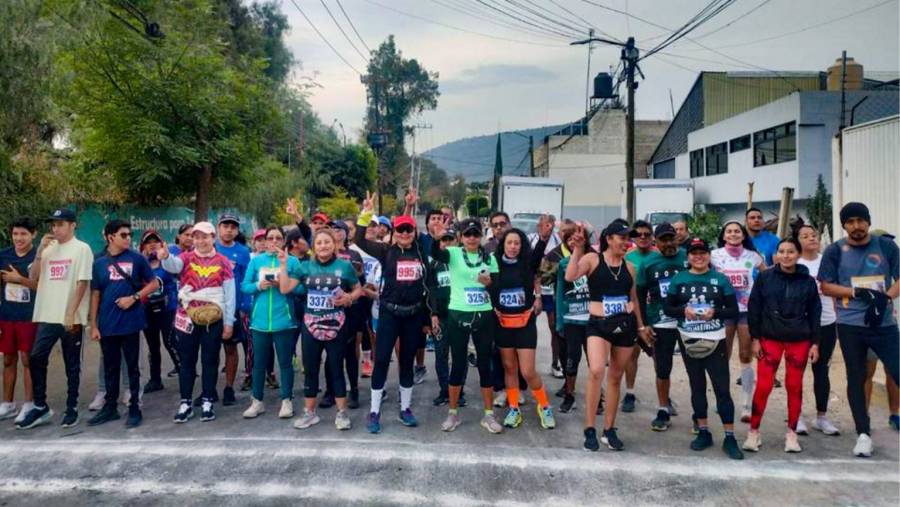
136,296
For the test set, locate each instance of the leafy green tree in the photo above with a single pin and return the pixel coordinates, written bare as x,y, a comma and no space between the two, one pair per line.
339,206
705,224
477,205
818,207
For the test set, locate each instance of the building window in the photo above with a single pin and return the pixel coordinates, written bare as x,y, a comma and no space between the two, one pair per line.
717,159
775,145
663,170
740,143
696,163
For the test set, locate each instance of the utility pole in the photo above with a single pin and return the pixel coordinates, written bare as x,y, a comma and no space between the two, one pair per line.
630,57
843,87
587,84
531,155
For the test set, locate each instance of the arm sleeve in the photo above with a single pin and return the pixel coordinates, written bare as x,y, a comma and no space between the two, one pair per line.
673,307
438,254
755,306
730,311
95,275
230,301
173,264
377,250
828,268
305,230
248,284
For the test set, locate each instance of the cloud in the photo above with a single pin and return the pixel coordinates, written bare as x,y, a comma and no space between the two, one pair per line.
489,76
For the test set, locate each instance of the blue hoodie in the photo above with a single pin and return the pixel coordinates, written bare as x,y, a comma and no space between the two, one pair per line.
272,311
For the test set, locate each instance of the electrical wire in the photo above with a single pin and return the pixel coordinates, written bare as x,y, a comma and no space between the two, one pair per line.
552,19
711,10
347,17
733,21
338,25
586,22
524,20
493,19
325,39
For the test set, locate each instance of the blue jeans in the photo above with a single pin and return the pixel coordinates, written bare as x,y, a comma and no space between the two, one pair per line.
284,349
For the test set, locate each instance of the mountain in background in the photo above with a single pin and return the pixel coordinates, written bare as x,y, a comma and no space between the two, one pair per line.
473,157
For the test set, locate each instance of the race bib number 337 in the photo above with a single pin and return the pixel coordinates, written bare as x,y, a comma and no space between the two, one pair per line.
319,300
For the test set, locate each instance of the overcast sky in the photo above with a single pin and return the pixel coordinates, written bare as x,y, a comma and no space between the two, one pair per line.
534,80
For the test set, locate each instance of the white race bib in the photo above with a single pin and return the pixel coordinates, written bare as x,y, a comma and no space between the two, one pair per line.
614,305
409,271
476,296
512,298
443,279
16,293
59,270
739,278
183,323
320,300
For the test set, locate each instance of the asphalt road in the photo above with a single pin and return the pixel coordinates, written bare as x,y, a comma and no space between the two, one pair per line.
232,461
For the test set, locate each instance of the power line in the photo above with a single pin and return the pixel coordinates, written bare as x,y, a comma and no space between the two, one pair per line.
586,22
330,15
552,18
733,21
711,10
524,19
363,41
325,39
491,18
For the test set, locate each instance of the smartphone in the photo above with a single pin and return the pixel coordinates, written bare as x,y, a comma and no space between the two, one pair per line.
270,277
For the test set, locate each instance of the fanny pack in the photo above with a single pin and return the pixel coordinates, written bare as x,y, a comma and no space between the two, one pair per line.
205,314
698,348
514,320
621,324
402,310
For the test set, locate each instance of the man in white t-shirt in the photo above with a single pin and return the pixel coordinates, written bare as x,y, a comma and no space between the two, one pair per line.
62,270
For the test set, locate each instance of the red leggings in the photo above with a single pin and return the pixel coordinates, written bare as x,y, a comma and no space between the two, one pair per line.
796,355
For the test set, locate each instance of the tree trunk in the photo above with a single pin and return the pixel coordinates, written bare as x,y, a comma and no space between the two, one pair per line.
201,206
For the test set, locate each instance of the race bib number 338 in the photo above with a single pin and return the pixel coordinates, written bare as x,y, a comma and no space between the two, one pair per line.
614,305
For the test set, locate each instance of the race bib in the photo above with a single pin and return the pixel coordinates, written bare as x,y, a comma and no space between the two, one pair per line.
476,296
512,298
183,323
16,293
875,282
614,305
59,270
320,300
443,279
409,271
546,290
664,287
739,278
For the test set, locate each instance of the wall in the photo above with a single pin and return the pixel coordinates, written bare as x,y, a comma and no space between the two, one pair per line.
727,94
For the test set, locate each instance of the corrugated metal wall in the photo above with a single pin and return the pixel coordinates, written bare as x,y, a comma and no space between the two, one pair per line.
726,95
870,172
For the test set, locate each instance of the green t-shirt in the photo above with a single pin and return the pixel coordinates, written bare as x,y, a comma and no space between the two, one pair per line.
467,294
655,275
701,292
321,282
637,258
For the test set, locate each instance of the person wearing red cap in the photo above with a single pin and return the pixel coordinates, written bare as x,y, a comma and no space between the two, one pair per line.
259,243
403,312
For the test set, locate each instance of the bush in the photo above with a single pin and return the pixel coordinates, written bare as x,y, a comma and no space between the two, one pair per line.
339,206
705,224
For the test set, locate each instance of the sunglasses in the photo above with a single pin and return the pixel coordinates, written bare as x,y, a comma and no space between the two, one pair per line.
405,229
471,234
643,235
499,224
124,235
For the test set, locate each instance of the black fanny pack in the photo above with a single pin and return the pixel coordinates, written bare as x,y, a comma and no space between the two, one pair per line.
402,310
623,324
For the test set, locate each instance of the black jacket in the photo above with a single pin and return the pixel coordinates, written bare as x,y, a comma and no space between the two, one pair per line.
785,306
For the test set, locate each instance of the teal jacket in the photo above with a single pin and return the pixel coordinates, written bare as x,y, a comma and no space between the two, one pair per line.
272,311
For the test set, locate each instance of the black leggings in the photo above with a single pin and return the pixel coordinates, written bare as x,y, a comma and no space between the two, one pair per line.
351,363
312,360
716,365
663,350
576,342
159,325
390,328
855,344
821,382
480,326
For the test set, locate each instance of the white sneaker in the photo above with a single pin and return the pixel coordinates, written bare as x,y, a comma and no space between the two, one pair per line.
557,372
8,410
28,405
753,441
308,419
863,448
824,425
500,399
256,408
126,398
342,420
287,409
801,428
98,402
792,442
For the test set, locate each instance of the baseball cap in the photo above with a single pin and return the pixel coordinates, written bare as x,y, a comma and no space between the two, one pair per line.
293,235
470,224
227,217
62,214
259,234
449,233
664,229
385,221
319,216
339,225
404,220
618,228
148,234
697,244
206,227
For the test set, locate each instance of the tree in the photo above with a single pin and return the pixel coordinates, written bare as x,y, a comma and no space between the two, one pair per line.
339,206
477,205
166,115
704,224
818,207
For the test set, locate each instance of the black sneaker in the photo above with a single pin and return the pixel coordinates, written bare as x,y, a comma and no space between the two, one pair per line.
134,418
440,400
568,404
184,414
70,418
153,386
731,448
199,399
590,440
561,393
612,440
661,423
778,385
34,418
327,401
106,414
703,441
247,384
353,399
173,372
628,403
207,413
228,398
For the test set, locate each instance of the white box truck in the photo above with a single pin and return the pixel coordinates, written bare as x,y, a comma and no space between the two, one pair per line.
526,199
661,200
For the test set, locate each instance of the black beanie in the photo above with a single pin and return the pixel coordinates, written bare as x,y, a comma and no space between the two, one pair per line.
855,210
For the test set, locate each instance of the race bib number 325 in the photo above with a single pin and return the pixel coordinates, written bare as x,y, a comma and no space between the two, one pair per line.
476,296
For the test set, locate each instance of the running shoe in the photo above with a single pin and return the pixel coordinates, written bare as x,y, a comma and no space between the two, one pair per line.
287,409
106,414
408,419
673,408
513,418
753,441
228,398
70,418
863,447
441,399
451,423
590,440
561,392
523,400
548,422
353,399
730,446
612,440
791,442
7,410
419,374
342,421
489,423
98,402
198,401
801,427
255,410
500,399
172,373
568,404
366,370
745,415
206,412
135,418
272,382
153,386
557,372
661,423
628,403
327,400
472,359
26,407
373,422
34,418
308,419
824,425
894,422
247,384
695,428
703,440
185,412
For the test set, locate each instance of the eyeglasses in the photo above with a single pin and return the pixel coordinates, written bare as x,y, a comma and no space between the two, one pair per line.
124,235
496,225
471,234
642,235
405,229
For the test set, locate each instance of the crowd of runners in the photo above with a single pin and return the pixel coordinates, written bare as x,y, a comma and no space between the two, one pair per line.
359,294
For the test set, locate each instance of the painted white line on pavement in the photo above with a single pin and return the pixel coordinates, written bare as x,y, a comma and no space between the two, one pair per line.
377,451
